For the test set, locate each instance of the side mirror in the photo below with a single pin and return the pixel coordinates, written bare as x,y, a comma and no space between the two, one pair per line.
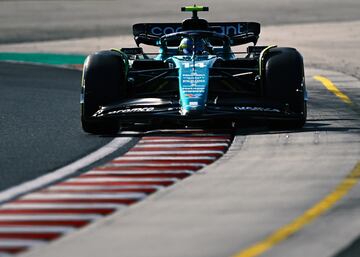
244,39
147,40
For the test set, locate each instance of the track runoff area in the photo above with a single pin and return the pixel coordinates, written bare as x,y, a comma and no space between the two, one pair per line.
154,163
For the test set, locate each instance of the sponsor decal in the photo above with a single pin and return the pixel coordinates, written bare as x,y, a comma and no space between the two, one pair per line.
100,112
158,31
193,95
193,104
193,79
192,65
233,29
144,109
256,109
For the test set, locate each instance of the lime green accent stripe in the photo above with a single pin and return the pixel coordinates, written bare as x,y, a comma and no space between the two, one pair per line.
333,89
261,58
310,215
43,58
193,8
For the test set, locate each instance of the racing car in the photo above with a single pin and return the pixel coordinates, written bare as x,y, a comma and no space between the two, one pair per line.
194,76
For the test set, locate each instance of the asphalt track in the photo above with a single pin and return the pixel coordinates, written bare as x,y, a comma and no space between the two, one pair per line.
40,129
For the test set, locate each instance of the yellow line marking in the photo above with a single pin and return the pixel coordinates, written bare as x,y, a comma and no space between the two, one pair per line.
311,214
333,89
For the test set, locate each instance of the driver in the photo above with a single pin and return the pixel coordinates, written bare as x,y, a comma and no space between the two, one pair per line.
188,46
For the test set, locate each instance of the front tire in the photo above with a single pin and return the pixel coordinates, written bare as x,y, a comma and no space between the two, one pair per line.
284,83
103,82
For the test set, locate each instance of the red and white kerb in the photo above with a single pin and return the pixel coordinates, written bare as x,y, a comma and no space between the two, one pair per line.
153,163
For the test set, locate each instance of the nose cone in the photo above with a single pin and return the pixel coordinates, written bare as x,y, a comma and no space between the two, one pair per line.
193,83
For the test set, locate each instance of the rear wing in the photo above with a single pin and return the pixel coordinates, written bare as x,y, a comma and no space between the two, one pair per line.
239,32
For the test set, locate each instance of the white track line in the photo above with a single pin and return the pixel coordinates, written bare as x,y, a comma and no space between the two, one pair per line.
124,172
87,180
154,153
36,229
31,206
186,141
109,187
205,145
49,217
13,192
155,158
114,164
104,170
20,243
38,196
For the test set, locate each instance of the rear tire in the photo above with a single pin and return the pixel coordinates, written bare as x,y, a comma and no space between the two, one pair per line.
103,82
284,83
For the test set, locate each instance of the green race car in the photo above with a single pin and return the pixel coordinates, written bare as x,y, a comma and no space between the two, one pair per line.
195,76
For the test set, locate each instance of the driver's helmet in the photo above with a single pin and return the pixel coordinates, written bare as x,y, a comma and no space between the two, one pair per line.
187,46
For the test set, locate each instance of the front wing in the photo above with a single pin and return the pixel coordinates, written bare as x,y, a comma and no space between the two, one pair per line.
148,110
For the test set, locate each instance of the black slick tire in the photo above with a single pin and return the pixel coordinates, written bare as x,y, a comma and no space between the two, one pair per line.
103,82
284,83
